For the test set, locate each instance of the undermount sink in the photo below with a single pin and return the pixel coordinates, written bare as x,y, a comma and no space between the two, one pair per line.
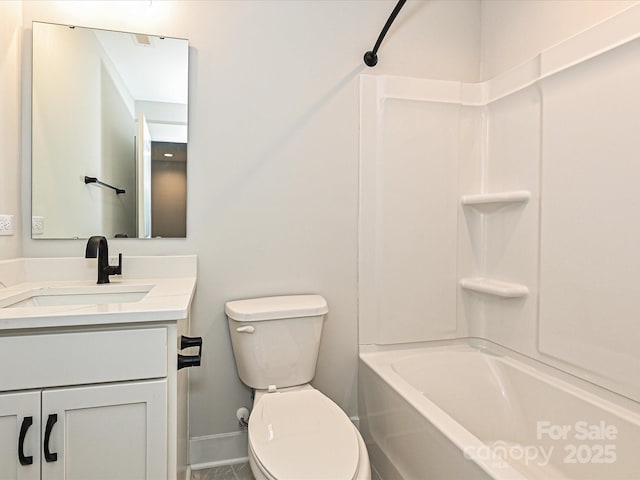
85,295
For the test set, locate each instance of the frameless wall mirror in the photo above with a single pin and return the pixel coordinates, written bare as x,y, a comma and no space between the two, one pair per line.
109,133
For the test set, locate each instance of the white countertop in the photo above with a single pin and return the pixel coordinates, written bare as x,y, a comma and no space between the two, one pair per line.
169,297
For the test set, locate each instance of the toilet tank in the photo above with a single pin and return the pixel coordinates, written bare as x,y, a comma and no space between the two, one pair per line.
276,339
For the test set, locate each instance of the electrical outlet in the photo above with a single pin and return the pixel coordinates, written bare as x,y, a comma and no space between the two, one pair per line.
6,224
37,225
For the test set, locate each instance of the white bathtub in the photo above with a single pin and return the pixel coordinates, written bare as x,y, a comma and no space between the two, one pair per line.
472,409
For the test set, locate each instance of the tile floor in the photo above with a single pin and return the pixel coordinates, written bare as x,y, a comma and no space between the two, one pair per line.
239,471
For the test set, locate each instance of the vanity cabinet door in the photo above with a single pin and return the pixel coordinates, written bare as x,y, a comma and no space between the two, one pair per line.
112,431
20,436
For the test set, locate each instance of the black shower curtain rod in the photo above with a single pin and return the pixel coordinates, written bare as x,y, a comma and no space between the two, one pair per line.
371,57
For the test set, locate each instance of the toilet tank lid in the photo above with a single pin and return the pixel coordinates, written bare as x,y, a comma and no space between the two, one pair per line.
271,308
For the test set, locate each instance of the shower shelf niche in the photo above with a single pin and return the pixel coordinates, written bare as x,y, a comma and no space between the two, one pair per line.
493,201
494,287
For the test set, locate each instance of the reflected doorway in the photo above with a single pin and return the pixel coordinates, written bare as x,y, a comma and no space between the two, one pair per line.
168,189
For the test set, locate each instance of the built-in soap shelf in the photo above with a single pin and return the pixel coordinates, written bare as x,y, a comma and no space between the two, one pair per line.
494,287
484,201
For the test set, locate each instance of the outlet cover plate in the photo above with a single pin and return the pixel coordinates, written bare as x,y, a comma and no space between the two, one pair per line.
6,225
37,225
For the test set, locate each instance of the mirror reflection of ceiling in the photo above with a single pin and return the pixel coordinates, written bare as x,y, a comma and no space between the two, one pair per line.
168,152
138,57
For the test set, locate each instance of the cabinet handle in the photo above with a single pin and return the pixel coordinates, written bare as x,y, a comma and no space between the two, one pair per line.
190,360
26,423
48,456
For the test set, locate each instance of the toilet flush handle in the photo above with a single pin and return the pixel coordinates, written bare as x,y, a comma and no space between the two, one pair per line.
246,329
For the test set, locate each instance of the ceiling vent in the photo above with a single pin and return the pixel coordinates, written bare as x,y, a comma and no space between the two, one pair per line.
143,40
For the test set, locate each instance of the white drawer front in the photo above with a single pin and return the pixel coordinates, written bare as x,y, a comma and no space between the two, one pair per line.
36,361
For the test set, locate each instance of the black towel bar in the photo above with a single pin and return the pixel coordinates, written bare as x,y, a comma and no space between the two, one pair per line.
95,180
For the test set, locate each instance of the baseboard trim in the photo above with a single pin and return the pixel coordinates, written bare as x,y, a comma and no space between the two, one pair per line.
221,463
212,451
215,450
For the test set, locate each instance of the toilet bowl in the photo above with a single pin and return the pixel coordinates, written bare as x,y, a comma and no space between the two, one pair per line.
295,432
301,434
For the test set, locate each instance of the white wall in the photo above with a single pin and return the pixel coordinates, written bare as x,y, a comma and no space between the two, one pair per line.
118,162
60,195
82,126
273,156
10,42
513,31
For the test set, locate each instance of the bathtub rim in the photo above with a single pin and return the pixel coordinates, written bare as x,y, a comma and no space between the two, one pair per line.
372,356
602,396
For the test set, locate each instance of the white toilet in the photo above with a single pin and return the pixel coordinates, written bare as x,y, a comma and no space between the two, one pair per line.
295,432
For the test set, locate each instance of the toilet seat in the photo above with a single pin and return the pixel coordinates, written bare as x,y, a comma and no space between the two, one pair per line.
301,434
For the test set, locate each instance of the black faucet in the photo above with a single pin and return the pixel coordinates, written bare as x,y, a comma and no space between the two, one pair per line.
97,247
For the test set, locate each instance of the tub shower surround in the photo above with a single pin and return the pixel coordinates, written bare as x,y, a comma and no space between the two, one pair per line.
504,210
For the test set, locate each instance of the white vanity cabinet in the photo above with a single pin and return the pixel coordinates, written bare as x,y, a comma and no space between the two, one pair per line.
90,384
93,403
109,431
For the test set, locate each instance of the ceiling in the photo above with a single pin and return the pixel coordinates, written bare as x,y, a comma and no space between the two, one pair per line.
153,68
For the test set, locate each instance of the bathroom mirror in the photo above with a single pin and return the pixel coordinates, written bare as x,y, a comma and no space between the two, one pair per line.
109,133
